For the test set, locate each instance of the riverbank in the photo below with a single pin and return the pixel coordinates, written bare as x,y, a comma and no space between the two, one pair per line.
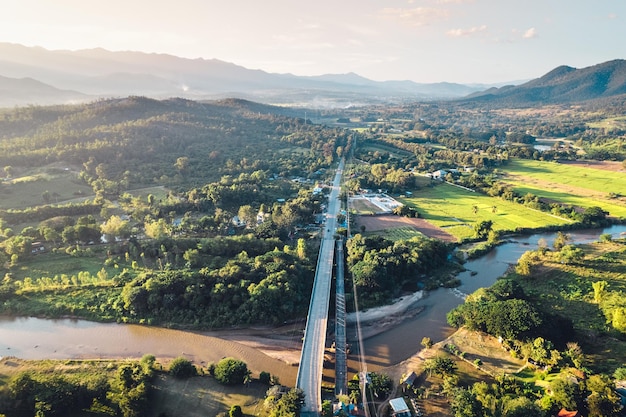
285,343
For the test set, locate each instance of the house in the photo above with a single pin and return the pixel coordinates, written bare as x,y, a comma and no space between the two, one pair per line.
37,247
439,174
399,407
409,380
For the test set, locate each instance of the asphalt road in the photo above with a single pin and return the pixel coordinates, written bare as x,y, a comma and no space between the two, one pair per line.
312,358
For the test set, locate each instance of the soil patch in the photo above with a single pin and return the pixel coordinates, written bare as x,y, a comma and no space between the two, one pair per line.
612,166
374,223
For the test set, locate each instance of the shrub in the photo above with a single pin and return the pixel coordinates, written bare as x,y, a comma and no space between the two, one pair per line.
230,371
182,368
265,377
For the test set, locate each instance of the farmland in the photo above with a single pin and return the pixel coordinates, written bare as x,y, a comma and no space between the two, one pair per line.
454,209
575,185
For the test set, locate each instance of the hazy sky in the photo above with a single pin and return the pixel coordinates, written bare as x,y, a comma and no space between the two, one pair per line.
421,40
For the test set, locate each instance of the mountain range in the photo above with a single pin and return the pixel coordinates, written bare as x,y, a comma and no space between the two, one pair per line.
563,84
34,75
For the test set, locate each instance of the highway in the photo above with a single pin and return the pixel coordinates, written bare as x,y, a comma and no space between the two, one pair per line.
312,358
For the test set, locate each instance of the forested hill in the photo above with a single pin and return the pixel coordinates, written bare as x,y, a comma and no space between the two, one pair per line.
141,141
563,84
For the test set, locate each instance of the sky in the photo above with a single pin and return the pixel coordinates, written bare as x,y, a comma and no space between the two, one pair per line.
464,41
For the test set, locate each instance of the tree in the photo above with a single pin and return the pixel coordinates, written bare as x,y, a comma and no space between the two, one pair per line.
264,377
599,290
566,393
482,229
231,371
235,411
114,228
560,240
440,365
521,407
157,229
182,368
465,404
427,342
570,254
288,405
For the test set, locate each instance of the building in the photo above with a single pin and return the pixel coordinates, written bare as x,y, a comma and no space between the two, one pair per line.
399,407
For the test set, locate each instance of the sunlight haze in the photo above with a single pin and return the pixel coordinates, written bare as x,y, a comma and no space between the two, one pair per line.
465,41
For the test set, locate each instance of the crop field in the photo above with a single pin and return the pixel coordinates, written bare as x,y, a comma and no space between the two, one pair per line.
569,184
452,209
398,233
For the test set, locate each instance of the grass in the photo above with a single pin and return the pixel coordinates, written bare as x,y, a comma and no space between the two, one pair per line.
397,233
203,396
570,184
451,208
51,264
610,123
198,396
567,290
28,190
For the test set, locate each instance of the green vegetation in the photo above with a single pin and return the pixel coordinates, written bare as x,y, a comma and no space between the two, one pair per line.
457,211
574,185
66,388
569,331
397,233
381,268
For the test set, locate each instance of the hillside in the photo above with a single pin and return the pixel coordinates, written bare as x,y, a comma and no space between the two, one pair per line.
142,141
563,84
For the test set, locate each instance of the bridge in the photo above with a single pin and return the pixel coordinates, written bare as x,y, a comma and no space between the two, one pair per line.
309,378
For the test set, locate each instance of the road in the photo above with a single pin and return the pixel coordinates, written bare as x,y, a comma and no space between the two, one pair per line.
312,359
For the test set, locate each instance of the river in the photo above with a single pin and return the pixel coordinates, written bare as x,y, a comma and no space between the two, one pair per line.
34,338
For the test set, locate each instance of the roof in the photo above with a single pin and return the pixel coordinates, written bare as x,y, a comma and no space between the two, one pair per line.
410,378
398,405
565,413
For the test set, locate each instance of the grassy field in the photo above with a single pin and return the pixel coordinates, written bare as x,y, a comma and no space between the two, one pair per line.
570,184
567,290
27,190
51,264
452,208
610,123
203,396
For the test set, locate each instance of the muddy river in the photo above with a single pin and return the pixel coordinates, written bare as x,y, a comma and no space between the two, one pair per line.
34,338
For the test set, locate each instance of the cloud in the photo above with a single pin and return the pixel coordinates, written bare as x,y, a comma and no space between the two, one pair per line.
458,33
530,33
612,16
418,16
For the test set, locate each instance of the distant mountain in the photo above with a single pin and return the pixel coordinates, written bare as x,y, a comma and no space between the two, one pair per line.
101,73
24,91
563,84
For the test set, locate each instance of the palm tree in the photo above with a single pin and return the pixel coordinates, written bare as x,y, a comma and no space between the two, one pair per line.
475,209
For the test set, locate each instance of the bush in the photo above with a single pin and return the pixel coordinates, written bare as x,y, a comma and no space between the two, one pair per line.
235,411
265,377
182,368
230,371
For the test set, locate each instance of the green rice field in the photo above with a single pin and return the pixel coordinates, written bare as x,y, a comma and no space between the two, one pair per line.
452,208
569,184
